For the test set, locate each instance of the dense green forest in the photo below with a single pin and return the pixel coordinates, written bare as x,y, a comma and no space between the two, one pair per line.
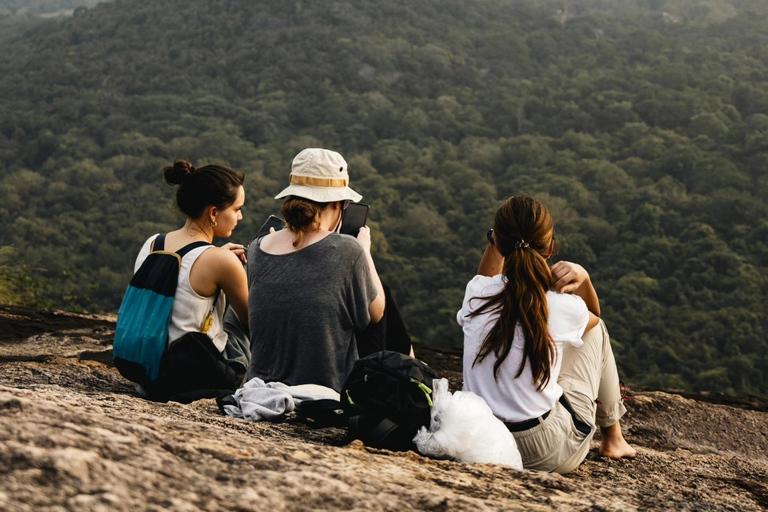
33,8
643,124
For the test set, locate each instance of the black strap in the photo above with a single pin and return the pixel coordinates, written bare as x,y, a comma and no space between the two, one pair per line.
580,425
362,427
383,430
189,247
159,245
527,424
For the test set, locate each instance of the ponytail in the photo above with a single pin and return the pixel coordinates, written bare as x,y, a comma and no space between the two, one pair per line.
523,229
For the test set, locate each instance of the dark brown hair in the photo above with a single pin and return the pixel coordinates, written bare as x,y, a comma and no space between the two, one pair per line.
524,234
300,216
211,185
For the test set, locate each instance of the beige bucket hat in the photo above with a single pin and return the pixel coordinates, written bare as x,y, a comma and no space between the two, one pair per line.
320,175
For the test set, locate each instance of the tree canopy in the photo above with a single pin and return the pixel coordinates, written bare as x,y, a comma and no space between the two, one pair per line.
642,124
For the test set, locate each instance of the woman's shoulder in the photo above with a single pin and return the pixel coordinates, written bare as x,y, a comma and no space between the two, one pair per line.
565,302
148,246
217,255
485,286
344,240
149,241
344,245
478,289
568,317
144,252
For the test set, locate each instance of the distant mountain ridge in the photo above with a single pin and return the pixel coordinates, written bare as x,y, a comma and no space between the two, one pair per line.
43,7
648,143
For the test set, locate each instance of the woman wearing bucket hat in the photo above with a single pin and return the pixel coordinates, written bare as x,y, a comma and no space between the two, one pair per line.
314,293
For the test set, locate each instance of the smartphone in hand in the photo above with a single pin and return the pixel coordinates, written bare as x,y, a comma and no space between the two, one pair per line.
271,222
354,217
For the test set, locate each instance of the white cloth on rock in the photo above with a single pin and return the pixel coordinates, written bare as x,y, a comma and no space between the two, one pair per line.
464,428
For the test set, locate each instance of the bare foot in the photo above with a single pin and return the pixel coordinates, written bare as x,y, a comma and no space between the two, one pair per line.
613,445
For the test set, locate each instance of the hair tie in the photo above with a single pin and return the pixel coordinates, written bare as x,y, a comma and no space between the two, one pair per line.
521,244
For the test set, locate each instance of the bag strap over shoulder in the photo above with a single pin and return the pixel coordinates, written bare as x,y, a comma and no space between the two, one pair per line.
159,245
190,247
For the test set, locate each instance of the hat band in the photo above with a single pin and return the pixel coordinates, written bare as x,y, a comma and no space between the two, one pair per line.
318,182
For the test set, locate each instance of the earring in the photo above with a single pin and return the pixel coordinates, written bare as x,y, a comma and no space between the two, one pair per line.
214,224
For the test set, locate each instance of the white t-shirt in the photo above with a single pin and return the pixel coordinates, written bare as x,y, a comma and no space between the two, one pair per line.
189,307
516,399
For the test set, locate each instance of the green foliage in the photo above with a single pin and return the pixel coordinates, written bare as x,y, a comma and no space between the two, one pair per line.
7,274
18,285
643,125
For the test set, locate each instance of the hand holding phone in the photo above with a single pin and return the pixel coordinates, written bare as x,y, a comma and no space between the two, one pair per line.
353,218
271,222
364,238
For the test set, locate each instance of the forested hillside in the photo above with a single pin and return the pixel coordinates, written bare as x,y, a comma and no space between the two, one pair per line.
642,124
32,8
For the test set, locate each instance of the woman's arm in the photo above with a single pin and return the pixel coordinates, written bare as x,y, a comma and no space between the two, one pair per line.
592,322
221,267
492,262
234,282
572,278
376,308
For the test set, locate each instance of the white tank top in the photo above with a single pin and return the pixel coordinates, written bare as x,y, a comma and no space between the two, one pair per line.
190,309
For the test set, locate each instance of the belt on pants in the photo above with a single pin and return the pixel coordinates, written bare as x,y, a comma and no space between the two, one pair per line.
534,422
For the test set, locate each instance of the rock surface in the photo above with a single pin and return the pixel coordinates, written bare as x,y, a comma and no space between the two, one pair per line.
73,436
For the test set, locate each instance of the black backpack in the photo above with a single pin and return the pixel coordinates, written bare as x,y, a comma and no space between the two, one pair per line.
388,397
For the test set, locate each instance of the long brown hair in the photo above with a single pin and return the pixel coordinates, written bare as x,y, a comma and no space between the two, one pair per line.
524,234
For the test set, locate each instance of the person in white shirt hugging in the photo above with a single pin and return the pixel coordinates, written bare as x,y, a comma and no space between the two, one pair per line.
538,354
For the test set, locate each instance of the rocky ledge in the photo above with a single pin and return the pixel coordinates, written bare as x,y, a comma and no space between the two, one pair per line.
73,436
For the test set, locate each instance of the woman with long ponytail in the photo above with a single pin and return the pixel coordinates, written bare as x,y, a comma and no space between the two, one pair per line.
535,348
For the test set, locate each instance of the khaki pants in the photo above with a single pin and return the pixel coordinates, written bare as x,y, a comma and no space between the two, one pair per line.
590,382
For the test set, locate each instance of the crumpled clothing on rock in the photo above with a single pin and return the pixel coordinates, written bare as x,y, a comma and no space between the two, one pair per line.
258,400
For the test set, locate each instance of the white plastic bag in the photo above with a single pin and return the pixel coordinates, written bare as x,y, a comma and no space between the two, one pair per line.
464,428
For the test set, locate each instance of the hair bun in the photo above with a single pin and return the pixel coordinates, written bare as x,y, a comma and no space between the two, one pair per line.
299,214
177,173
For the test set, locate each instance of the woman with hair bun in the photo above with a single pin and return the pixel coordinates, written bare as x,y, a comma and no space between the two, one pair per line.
315,292
539,355
212,198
